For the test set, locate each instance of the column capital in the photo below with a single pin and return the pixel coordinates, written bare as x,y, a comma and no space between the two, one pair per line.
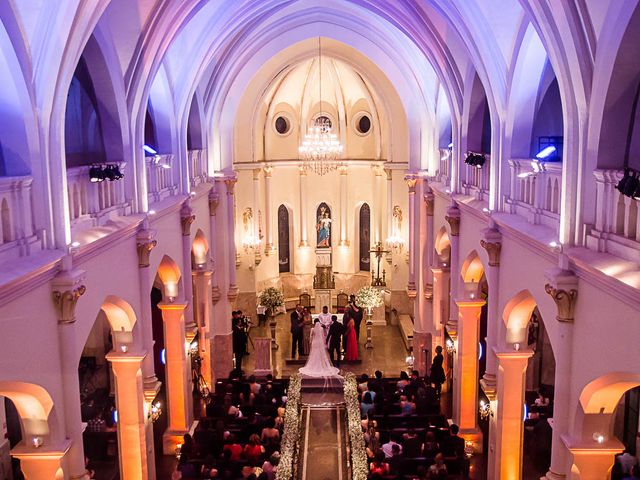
493,250
343,169
145,242
429,200
563,289
466,303
268,171
303,170
256,173
130,357
453,219
411,180
67,289
512,355
378,170
230,183
214,201
173,307
186,219
215,294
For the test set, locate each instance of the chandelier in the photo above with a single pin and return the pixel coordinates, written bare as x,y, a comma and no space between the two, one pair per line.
320,150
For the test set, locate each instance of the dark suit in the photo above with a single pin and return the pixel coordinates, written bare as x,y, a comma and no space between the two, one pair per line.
333,340
297,325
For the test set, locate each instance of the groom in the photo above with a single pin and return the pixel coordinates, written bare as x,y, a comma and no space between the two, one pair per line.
297,328
333,339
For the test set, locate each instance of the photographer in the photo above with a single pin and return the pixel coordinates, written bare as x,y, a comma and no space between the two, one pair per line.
239,337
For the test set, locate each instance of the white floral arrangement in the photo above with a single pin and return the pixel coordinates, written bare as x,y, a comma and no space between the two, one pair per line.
359,464
369,297
271,298
291,435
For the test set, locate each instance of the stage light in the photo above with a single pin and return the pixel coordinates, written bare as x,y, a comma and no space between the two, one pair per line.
475,159
149,150
96,174
450,145
112,172
163,356
545,152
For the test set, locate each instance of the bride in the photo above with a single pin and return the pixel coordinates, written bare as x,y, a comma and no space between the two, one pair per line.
318,364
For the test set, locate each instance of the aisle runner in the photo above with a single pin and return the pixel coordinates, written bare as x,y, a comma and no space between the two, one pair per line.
323,449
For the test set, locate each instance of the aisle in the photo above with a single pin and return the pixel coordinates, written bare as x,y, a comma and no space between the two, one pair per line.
323,449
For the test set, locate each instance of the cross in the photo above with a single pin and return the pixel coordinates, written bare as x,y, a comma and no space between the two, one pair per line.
378,251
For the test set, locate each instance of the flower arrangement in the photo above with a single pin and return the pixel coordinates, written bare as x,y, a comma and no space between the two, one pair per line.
271,298
369,297
291,435
359,465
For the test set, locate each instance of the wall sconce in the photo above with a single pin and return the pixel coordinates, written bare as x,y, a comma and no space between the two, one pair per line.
599,437
485,410
124,348
395,243
37,441
250,242
193,349
450,346
468,449
155,411
171,290
516,347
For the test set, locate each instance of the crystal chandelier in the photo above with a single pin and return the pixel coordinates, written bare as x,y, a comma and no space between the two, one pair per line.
320,150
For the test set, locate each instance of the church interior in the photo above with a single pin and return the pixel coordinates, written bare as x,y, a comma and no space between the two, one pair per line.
185,184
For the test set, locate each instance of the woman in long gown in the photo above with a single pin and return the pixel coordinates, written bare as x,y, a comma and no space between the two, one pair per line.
351,348
319,364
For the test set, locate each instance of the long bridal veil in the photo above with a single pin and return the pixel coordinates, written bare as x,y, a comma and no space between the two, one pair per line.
319,364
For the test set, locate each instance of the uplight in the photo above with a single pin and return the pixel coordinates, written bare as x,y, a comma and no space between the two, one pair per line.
75,244
149,150
545,152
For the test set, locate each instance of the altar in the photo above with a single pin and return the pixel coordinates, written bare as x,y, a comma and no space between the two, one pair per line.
316,315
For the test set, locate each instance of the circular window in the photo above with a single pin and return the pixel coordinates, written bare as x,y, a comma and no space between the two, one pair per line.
282,125
364,124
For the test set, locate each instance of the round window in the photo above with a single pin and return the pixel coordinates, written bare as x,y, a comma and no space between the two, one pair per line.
282,125
364,124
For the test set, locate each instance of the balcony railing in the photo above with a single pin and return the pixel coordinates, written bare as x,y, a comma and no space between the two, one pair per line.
93,204
617,227
535,192
17,236
197,166
477,180
444,172
161,181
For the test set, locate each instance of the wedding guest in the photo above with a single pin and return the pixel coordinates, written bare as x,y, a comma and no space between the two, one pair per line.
270,467
437,371
379,466
234,449
306,330
239,339
356,313
407,405
411,444
403,382
387,448
438,469
270,435
253,450
431,447
351,346
297,322
372,440
366,406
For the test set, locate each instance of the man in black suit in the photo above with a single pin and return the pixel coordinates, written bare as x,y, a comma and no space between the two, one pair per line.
333,339
356,313
297,326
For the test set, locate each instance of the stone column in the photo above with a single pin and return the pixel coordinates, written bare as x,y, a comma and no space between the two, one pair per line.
268,220
512,366
563,288
214,201
178,375
132,440
67,289
465,388
232,292
594,461
256,212
202,301
453,218
304,241
344,240
42,463
377,233
186,219
491,242
414,254
389,209
145,242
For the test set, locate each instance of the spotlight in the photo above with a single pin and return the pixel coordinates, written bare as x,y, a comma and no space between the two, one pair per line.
96,174
450,146
545,152
629,184
149,150
112,172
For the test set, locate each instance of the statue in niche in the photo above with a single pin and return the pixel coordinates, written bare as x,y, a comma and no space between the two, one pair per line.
323,226
247,217
397,219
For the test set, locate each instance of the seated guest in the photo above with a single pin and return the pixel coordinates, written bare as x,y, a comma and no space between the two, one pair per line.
387,448
395,462
378,466
254,386
403,382
430,448
366,406
372,440
453,448
234,449
411,444
376,384
270,434
541,401
253,450
270,467
407,406
438,469
364,381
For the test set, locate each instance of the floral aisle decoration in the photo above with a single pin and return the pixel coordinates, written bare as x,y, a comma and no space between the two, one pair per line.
359,464
272,299
291,435
369,297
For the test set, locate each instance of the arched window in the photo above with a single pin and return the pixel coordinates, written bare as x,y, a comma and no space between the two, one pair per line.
364,227
284,251
5,217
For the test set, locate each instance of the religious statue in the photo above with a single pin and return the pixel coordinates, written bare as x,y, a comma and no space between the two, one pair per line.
323,226
247,217
397,219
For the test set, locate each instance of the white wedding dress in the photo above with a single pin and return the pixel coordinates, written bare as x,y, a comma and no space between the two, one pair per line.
318,364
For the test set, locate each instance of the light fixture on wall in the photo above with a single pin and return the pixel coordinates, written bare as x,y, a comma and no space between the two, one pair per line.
450,345
485,410
599,437
155,411
320,150
395,243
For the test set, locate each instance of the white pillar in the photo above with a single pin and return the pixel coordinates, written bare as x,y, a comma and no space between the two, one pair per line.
268,220
304,241
344,241
232,292
256,211
378,195
411,181
453,218
186,219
